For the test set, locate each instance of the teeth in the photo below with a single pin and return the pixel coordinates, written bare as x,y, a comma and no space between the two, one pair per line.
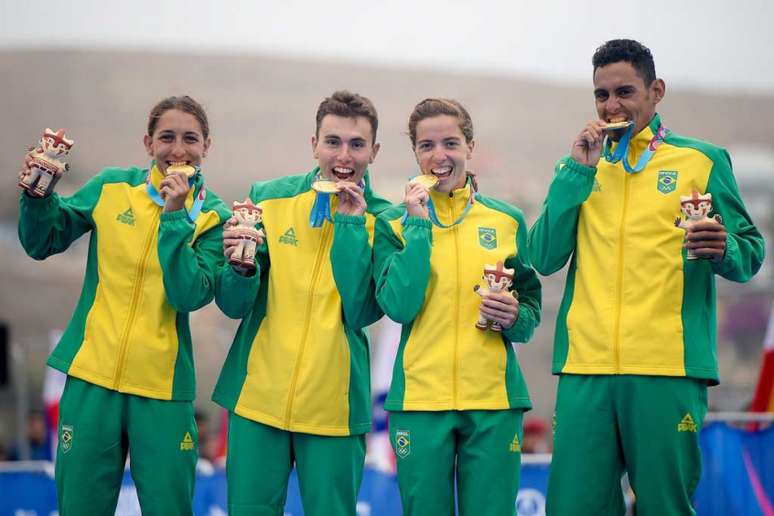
342,170
441,171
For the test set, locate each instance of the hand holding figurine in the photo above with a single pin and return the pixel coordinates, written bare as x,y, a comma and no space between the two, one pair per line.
501,308
44,165
241,237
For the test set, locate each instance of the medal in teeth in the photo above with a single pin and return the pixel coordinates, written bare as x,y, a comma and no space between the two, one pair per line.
618,124
426,180
325,186
181,168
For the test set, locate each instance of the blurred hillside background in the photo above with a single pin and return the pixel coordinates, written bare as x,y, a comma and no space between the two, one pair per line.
523,70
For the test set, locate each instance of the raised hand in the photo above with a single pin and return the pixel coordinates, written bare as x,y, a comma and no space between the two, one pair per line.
416,200
587,147
351,199
174,189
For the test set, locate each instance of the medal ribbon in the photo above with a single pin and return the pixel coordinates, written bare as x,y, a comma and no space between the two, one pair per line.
198,200
623,148
321,209
434,216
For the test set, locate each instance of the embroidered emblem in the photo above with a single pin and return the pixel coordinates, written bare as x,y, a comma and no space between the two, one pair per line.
402,443
515,444
126,217
667,181
687,424
187,443
66,438
289,237
487,237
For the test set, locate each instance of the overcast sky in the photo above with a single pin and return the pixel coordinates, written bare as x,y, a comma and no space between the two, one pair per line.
716,45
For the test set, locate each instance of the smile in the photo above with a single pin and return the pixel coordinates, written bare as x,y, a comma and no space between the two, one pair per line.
442,172
343,173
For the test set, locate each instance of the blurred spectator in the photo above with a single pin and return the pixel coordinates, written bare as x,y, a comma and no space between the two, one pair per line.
535,436
207,443
37,439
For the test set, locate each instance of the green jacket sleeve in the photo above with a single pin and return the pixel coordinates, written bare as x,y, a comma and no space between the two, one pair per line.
235,294
402,272
745,248
49,225
352,263
527,285
552,237
188,271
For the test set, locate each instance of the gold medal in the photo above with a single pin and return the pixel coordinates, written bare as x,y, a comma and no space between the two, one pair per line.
186,170
325,186
613,126
426,180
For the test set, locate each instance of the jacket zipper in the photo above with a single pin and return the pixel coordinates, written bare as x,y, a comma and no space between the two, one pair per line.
455,369
136,291
619,279
307,320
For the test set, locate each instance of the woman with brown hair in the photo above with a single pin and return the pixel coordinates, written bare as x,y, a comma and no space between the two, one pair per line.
457,394
154,246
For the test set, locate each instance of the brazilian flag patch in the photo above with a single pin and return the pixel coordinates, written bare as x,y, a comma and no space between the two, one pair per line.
66,438
402,443
667,181
487,237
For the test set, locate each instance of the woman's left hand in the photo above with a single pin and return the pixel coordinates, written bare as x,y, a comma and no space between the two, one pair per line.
500,307
174,189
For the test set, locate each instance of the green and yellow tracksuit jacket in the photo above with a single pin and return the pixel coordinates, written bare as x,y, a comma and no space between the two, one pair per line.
145,271
425,281
633,303
300,359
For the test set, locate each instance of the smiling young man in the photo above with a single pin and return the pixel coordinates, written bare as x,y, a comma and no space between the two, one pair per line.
296,381
635,335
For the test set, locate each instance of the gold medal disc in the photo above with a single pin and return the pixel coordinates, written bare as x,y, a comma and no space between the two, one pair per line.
186,170
325,186
426,180
613,126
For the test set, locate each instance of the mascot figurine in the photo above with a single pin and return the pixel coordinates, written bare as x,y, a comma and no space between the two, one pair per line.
47,165
247,215
497,278
696,208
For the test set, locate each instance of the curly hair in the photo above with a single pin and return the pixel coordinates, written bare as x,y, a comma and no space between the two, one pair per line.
630,51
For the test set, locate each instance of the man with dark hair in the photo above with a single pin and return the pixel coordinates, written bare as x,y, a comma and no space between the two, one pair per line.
296,381
635,335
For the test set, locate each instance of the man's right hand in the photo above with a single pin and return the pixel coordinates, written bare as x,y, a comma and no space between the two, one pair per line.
26,169
230,237
587,147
